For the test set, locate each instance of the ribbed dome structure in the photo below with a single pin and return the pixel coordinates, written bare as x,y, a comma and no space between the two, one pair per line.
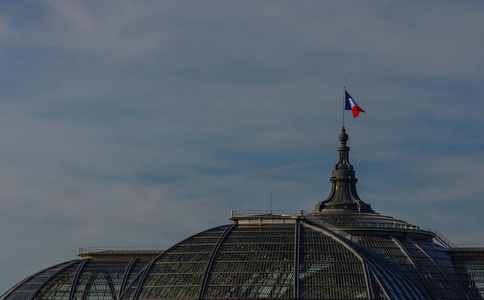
282,257
100,274
343,249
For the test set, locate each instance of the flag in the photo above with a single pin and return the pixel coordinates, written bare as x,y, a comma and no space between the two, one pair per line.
350,104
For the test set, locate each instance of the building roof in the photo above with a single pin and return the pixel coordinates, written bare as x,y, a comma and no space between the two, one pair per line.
97,275
343,249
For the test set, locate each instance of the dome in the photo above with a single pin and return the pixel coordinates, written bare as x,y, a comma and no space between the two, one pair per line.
274,256
99,274
342,249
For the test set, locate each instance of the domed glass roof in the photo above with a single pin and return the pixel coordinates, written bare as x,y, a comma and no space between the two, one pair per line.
293,259
341,250
98,275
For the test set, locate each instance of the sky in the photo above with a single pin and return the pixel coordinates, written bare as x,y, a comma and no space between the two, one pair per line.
140,123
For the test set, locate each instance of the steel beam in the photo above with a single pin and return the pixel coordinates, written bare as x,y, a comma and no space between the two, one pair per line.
14,288
412,261
345,243
212,259
459,293
380,284
142,279
147,269
39,288
76,278
126,276
297,243
112,289
88,286
366,269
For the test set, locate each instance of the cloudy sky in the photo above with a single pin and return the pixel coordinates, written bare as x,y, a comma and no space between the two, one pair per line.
138,123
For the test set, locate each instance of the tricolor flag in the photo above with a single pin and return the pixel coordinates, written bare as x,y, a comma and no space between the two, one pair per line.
350,104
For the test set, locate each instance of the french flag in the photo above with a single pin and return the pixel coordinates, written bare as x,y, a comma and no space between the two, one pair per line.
350,104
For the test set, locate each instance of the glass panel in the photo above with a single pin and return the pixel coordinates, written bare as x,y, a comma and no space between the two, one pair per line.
254,261
178,273
59,287
100,280
389,249
469,268
25,290
436,280
328,270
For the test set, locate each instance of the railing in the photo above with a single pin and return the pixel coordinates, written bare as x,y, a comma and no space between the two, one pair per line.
390,226
467,249
150,249
255,213
317,221
360,223
442,239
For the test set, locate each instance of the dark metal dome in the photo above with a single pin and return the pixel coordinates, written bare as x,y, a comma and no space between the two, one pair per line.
99,274
341,250
281,257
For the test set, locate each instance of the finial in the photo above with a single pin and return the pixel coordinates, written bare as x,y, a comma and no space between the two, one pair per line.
343,196
343,137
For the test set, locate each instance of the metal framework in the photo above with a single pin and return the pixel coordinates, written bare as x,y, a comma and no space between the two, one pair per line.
469,266
126,276
212,258
421,277
445,274
297,247
341,250
76,278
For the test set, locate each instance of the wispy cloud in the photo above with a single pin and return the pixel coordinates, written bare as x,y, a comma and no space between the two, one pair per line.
120,119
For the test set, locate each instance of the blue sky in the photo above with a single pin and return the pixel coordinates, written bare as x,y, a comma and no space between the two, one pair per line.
140,123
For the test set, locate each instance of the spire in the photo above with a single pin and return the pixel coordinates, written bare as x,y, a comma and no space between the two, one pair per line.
343,196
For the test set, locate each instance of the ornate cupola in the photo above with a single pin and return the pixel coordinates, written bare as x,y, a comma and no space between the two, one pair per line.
343,196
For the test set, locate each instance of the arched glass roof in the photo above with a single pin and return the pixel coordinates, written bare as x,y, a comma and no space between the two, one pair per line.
341,250
285,260
97,276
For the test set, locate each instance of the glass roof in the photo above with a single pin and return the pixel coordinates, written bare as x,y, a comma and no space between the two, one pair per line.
341,250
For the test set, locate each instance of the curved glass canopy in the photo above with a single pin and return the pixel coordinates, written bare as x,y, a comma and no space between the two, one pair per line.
341,250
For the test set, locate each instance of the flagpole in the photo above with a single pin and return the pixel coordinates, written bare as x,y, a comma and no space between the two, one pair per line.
344,99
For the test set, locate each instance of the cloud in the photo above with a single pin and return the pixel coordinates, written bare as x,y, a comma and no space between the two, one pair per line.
120,120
